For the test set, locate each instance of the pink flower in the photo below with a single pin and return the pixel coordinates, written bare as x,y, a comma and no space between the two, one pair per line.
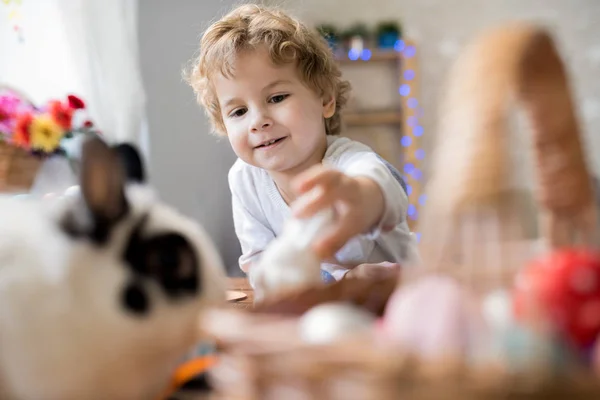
9,105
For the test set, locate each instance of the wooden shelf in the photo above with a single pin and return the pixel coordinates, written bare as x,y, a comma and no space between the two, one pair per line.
384,117
376,56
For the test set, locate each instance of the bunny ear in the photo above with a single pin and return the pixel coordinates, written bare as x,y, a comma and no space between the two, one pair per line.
102,182
132,162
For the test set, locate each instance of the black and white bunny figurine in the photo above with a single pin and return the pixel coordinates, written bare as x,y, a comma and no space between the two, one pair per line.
101,292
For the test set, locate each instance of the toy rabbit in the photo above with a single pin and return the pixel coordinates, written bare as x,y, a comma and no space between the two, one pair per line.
289,262
101,291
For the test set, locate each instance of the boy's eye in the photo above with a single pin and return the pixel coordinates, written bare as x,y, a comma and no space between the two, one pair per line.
278,98
238,112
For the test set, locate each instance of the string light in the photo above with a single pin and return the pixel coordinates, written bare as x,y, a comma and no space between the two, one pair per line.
404,90
412,210
399,45
407,90
353,54
417,174
410,51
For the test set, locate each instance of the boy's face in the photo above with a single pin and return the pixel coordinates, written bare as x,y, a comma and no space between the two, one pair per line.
272,119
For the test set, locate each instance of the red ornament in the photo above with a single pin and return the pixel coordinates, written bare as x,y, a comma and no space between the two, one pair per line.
565,285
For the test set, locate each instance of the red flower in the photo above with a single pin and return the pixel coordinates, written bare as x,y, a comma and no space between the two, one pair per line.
22,136
61,114
75,102
88,124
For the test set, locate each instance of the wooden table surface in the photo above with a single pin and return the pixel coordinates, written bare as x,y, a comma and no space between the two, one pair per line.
241,285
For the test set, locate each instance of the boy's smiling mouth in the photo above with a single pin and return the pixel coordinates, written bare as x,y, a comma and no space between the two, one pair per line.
270,143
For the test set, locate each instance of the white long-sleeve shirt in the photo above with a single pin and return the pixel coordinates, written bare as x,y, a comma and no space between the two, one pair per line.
259,211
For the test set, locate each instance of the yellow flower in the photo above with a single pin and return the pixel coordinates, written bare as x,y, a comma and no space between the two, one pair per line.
45,133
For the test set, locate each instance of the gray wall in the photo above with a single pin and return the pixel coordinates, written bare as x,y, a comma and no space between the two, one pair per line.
187,165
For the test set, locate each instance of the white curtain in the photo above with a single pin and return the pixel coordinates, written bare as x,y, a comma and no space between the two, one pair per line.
85,47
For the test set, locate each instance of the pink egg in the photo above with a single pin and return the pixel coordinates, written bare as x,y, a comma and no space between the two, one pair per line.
434,317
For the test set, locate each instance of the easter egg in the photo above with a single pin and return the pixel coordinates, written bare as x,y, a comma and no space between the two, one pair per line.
524,348
434,317
497,309
563,286
331,321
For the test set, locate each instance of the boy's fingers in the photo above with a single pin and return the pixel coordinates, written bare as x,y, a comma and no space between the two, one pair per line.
390,265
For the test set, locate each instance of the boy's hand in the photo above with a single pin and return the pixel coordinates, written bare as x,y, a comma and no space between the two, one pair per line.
381,270
358,202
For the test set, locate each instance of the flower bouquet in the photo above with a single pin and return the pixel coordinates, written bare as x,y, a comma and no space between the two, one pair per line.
29,134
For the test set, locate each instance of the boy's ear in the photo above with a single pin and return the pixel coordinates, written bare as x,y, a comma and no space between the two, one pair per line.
328,106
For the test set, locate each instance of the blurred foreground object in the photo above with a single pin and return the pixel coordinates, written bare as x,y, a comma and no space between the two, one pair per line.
101,290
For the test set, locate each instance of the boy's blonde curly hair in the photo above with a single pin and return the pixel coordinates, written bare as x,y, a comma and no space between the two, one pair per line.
287,40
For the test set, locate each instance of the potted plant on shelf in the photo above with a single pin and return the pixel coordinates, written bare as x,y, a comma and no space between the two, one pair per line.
330,33
356,37
29,134
388,33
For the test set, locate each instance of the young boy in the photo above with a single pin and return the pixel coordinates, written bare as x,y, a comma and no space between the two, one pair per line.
271,85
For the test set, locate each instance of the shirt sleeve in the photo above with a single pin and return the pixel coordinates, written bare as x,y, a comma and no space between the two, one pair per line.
337,271
251,228
356,159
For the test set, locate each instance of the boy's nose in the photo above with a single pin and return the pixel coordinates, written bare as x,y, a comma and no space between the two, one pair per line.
261,122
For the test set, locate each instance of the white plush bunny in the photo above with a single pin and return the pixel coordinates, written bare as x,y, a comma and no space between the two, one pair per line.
100,292
289,261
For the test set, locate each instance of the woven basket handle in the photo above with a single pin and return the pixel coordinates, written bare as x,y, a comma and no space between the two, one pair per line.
514,65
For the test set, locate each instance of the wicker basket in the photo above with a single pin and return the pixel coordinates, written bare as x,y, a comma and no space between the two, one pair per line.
471,214
18,168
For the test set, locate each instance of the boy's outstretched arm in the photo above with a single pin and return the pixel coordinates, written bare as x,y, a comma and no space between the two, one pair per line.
363,191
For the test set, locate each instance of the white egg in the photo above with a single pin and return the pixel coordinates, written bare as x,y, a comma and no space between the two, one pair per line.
332,321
